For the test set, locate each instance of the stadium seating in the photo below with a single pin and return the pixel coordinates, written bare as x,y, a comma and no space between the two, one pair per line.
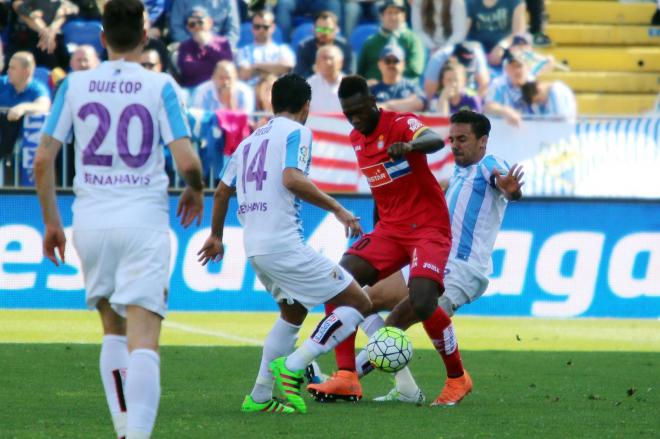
301,32
360,35
245,36
83,32
612,52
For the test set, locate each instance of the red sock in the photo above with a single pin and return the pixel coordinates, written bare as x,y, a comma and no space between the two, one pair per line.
441,332
345,351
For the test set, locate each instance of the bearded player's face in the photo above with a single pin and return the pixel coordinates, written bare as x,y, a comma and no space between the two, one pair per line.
467,148
361,112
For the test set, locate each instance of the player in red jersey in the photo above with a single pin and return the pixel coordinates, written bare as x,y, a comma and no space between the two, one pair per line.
413,229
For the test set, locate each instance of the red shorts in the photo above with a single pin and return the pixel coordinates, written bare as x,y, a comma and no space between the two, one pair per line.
426,254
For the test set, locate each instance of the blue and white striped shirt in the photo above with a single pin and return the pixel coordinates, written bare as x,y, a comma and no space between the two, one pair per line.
476,209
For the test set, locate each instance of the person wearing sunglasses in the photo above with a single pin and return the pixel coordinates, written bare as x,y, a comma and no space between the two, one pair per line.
225,18
199,55
263,56
326,27
394,92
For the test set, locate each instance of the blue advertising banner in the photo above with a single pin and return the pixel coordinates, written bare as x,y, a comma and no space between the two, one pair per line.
551,259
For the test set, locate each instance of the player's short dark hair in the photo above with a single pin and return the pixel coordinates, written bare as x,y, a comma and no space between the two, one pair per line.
529,91
123,24
290,92
479,123
353,85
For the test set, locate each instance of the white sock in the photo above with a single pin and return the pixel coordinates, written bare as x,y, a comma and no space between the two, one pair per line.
142,392
405,383
113,363
330,331
280,341
369,325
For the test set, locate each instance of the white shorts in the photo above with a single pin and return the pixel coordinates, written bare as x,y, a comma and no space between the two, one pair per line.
300,275
127,266
463,284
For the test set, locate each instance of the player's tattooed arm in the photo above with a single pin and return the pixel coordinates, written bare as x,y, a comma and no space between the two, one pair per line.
44,173
427,141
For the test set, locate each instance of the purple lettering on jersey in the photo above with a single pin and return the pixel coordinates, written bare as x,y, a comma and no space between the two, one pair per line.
89,156
116,180
141,112
259,162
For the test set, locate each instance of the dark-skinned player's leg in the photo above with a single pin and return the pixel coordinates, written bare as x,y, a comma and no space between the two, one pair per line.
345,383
422,305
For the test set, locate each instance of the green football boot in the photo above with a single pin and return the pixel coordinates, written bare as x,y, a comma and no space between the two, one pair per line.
289,383
272,406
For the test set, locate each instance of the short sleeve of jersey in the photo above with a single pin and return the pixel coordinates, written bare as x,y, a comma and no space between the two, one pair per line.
406,128
228,173
489,164
60,120
299,149
172,117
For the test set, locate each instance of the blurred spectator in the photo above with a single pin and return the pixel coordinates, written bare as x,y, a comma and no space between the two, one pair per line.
199,55
522,43
468,54
2,58
84,57
19,92
224,13
325,82
492,21
154,10
439,23
263,55
224,91
150,60
88,9
325,32
285,10
154,42
262,93
452,95
357,11
536,9
546,98
505,97
42,37
393,30
394,92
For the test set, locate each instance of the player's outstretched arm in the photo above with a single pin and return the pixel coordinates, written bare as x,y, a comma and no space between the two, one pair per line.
44,173
511,183
427,142
213,250
302,187
191,202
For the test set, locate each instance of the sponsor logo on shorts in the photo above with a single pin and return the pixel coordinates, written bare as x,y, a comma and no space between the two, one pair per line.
337,274
429,266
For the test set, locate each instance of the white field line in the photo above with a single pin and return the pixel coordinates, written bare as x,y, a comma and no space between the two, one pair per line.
218,334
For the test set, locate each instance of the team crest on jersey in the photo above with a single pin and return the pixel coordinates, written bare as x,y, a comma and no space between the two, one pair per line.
414,124
381,142
337,274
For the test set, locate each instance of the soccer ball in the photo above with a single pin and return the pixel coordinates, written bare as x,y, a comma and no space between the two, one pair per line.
389,349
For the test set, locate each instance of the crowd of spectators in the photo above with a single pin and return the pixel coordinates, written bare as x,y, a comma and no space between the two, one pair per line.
426,55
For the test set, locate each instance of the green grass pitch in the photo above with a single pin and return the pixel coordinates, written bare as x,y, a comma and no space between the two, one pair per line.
534,378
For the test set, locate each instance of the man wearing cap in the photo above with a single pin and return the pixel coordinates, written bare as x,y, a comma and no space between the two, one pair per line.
505,98
470,55
394,92
224,13
199,55
325,33
392,30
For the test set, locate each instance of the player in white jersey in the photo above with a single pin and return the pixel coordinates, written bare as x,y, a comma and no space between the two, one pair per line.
477,197
119,113
268,173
